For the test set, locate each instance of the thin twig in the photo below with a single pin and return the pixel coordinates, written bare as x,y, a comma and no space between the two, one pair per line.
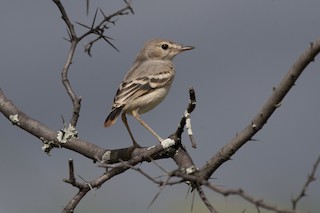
65,18
74,40
71,171
259,203
204,199
102,25
185,120
160,183
310,179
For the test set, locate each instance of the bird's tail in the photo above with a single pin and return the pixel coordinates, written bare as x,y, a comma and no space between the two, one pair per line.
112,117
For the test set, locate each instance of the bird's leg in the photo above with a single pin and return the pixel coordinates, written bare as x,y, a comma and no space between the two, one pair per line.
137,116
124,120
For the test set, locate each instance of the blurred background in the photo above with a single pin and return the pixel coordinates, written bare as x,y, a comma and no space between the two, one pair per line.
243,49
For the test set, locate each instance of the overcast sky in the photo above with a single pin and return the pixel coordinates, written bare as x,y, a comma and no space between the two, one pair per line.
243,49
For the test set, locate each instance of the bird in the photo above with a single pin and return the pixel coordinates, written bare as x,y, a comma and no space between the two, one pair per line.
146,84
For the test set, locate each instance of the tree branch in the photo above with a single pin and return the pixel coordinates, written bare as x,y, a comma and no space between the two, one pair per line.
264,114
174,149
74,40
260,203
138,155
310,179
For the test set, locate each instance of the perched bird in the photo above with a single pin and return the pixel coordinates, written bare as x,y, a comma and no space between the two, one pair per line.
147,83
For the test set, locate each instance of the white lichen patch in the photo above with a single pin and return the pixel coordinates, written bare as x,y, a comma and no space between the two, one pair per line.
188,122
150,147
166,143
67,133
48,145
14,119
188,126
191,170
106,156
186,114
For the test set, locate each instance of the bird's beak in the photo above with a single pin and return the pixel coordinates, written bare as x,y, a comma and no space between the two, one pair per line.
185,48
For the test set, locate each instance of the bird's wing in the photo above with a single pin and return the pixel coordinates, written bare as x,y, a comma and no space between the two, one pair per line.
130,90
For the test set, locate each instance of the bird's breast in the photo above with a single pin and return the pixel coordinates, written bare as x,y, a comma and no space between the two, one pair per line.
148,101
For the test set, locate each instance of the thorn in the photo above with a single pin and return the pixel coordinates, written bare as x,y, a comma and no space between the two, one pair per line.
63,121
114,21
101,11
277,105
94,18
66,39
311,44
85,26
105,26
111,44
87,49
69,34
129,6
87,8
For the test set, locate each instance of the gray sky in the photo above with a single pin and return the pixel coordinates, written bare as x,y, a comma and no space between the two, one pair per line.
243,49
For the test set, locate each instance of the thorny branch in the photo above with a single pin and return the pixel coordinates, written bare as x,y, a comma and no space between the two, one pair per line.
100,28
137,155
74,40
310,179
204,199
266,111
260,203
76,101
133,156
197,182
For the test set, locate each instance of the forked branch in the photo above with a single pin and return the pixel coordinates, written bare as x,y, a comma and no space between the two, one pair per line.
74,40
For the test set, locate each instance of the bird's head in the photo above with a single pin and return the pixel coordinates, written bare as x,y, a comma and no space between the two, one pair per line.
160,49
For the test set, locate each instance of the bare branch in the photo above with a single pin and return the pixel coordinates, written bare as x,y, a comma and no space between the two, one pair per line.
71,171
310,179
138,155
158,182
264,114
76,101
66,19
143,156
102,25
74,40
75,200
259,203
204,199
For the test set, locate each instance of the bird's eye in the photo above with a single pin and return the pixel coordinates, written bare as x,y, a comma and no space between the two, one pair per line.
164,46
